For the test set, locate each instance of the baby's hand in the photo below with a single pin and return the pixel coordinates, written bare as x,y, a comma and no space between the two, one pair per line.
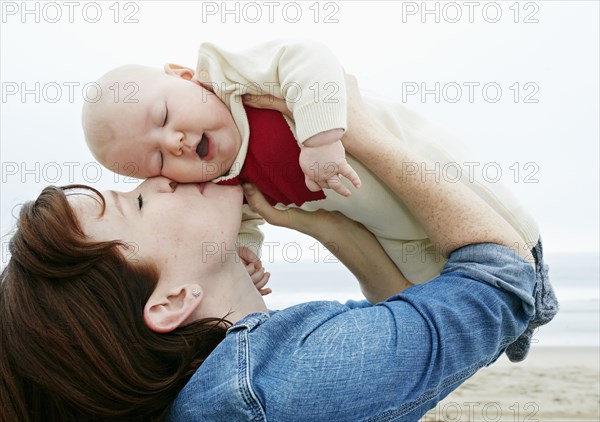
323,161
255,269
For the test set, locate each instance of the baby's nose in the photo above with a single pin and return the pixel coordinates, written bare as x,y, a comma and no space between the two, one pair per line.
174,144
159,184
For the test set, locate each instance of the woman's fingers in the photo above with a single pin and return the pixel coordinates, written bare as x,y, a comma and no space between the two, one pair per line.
258,203
310,223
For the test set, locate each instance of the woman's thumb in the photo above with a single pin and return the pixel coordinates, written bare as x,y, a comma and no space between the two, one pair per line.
255,198
259,204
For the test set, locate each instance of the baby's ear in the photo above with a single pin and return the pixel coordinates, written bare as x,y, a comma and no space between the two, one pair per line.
180,71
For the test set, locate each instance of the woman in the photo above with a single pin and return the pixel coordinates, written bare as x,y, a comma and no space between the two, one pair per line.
96,328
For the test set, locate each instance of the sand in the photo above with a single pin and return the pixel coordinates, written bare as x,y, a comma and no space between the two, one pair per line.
552,384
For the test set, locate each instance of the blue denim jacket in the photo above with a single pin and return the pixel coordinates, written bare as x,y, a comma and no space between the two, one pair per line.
393,361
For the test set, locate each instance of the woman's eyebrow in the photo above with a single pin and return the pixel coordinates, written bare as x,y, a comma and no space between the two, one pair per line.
117,201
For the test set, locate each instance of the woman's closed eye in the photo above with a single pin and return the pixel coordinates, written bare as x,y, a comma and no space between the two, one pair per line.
140,201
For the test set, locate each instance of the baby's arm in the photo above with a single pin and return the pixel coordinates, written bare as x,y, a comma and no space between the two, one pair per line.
249,244
304,73
323,161
257,273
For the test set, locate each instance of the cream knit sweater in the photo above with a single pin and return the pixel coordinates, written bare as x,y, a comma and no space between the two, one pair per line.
312,81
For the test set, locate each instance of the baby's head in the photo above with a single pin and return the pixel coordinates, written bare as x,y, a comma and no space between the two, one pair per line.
150,122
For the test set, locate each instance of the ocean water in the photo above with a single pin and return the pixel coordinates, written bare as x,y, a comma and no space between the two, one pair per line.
575,277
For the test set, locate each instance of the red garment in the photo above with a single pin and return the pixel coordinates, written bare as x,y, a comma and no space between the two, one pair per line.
272,160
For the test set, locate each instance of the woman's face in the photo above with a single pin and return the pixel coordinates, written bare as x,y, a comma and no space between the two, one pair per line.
180,228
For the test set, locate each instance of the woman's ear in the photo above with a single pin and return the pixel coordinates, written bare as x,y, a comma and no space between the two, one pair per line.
180,71
168,310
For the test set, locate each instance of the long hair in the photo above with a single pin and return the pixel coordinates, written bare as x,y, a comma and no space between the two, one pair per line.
73,342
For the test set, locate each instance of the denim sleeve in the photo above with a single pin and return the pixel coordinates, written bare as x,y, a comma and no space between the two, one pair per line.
395,360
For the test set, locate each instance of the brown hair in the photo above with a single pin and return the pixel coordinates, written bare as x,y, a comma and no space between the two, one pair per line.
73,343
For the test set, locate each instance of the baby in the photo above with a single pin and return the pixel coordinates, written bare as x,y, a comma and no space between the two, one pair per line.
191,126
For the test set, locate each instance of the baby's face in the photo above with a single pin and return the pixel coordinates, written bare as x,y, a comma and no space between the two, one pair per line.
176,129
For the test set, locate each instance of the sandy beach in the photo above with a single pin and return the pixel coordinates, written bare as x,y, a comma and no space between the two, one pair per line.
552,384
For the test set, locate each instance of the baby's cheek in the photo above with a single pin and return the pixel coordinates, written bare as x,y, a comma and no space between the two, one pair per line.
191,173
230,149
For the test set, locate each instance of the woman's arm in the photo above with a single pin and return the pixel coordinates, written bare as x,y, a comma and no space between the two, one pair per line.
349,241
451,214
415,348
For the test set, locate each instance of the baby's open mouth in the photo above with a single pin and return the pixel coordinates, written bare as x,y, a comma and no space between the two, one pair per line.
202,148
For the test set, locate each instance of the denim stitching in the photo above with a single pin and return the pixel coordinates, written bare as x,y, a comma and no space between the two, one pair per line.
244,383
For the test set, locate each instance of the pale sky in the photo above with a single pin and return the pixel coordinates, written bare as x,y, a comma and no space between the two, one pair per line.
527,74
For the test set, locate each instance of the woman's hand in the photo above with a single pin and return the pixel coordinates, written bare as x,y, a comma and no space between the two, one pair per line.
356,247
318,224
